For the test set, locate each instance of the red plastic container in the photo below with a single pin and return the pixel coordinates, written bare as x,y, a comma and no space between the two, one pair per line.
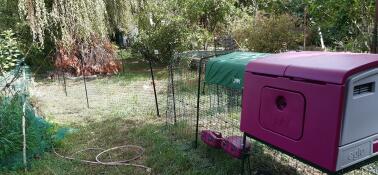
233,145
212,138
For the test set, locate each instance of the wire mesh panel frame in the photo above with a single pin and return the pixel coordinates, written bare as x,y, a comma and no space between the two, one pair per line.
218,108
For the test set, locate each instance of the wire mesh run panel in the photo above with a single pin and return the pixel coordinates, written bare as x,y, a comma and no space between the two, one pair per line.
210,88
314,105
182,90
189,96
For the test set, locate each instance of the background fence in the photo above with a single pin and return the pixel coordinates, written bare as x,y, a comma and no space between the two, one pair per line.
87,98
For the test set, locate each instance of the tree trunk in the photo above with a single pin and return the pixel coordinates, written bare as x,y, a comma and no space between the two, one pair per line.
374,47
321,39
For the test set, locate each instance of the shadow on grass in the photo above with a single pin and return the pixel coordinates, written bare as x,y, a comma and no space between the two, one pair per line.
162,154
206,160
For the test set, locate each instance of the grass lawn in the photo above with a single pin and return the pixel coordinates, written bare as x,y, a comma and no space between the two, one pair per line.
163,155
122,112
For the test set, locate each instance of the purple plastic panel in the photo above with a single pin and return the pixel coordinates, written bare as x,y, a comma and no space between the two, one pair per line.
331,67
282,112
375,146
321,125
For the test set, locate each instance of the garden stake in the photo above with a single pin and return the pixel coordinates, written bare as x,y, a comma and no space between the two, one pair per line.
64,78
198,101
173,93
85,81
153,84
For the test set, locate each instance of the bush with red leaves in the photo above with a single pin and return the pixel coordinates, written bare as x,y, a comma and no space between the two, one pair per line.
98,57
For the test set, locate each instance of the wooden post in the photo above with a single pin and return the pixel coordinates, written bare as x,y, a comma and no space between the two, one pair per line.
24,119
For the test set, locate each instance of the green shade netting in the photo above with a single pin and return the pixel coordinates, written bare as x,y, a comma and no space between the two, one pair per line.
38,131
228,70
38,139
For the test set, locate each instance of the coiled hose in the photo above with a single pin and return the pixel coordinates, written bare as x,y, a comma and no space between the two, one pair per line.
126,162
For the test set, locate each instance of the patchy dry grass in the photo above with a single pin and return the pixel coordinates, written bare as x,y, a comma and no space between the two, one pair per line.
122,111
128,94
108,97
163,155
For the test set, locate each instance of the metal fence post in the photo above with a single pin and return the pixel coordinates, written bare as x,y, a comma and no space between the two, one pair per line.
85,81
198,101
64,77
173,92
153,84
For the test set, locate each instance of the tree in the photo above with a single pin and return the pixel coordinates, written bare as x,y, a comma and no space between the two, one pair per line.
161,28
276,33
120,15
79,30
346,24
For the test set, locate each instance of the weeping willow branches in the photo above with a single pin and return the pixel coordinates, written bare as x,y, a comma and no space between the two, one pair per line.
79,29
120,14
36,15
66,21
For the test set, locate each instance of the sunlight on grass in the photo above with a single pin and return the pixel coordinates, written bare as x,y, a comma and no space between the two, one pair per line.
163,155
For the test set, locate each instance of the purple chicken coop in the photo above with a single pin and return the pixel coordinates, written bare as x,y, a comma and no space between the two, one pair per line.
319,107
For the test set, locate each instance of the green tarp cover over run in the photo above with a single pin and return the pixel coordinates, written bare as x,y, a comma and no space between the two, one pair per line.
228,70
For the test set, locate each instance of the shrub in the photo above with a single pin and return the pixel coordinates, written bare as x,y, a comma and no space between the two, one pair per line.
268,33
9,52
167,39
38,133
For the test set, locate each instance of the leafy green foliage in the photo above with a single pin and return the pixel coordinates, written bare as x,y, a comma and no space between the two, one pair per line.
269,34
173,26
10,122
78,32
39,58
8,15
9,52
346,24
119,13
38,138
166,39
65,21
208,13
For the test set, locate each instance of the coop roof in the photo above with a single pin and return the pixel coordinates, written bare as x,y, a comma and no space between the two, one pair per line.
228,70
